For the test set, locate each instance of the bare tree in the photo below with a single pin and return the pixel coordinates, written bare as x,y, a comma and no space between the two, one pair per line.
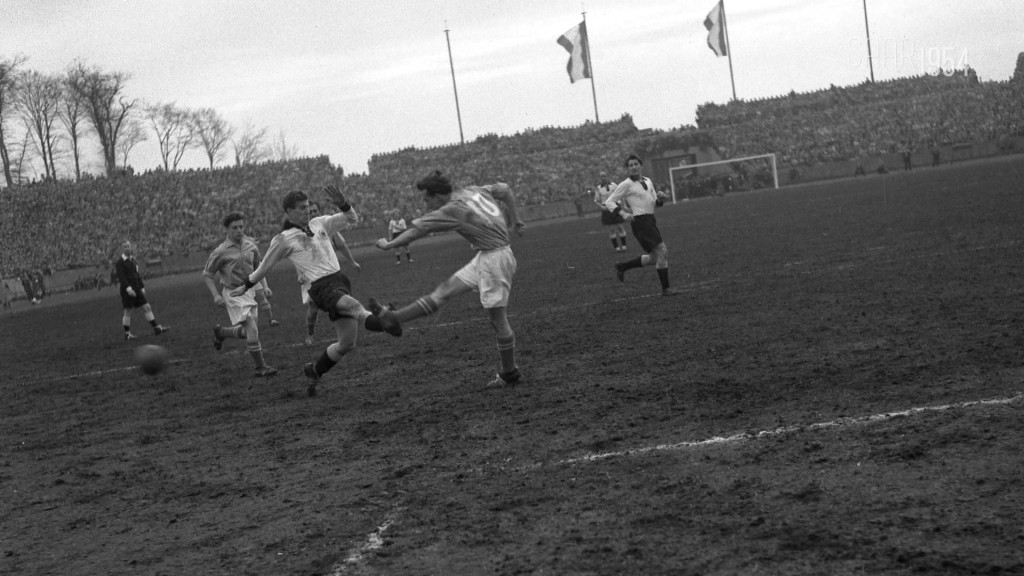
132,132
8,84
213,133
250,147
72,114
38,100
282,151
175,131
105,105
18,153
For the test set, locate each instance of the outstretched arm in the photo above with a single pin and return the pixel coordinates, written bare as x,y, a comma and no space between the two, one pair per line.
276,251
404,239
347,217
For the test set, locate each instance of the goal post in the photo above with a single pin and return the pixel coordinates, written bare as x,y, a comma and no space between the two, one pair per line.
750,173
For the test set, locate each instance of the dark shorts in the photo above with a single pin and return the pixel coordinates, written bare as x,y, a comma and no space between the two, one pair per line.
645,229
129,302
611,218
396,234
326,292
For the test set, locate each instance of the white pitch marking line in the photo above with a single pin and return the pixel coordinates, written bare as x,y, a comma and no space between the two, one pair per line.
375,540
355,557
744,436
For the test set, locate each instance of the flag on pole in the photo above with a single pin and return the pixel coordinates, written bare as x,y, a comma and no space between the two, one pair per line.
716,31
575,42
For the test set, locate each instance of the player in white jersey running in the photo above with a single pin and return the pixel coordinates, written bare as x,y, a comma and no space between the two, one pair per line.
635,198
474,214
307,243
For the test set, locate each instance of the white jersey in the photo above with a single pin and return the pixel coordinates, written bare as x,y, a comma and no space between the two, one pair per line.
312,256
637,197
397,226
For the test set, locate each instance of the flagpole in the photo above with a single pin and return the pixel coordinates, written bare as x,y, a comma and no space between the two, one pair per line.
451,63
728,50
867,30
590,65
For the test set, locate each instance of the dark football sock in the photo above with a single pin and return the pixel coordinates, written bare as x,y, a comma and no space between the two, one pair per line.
634,263
663,277
323,364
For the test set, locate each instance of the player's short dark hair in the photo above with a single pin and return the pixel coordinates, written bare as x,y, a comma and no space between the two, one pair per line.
233,217
633,157
292,198
435,184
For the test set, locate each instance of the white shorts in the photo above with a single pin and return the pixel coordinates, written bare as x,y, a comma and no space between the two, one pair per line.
306,300
490,273
241,307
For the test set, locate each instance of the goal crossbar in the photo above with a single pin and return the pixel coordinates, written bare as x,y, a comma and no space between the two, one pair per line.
671,171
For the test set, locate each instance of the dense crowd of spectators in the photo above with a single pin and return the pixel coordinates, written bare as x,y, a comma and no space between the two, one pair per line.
868,119
60,225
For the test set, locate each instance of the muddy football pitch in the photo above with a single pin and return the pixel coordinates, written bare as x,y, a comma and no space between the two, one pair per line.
836,389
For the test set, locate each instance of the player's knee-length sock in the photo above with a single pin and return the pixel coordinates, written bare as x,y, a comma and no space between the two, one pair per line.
331,356
424,306
507,352
663,277
634,263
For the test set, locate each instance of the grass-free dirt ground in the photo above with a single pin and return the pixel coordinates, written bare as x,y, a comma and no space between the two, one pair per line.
809,404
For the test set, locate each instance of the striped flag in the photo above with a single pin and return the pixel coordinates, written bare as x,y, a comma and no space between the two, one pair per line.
715,23
575,42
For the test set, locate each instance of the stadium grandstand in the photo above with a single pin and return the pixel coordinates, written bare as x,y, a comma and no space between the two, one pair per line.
176,213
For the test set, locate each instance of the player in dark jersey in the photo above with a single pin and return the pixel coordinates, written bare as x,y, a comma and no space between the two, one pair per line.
474,214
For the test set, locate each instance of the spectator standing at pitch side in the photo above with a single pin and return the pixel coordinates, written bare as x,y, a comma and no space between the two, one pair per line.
307,243
133,292
473,213
226,269
312,312
609,219
396,226
635,198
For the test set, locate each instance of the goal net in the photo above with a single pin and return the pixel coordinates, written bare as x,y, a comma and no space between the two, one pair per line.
716,178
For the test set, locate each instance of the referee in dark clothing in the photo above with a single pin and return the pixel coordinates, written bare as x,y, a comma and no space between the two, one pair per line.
133,292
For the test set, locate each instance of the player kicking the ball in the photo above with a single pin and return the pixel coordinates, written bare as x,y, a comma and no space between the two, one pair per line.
307,243
473,213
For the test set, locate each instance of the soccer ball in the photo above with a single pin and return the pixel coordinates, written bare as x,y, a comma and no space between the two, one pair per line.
152,359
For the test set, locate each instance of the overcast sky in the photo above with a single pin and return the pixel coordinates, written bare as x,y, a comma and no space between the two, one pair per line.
350,79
